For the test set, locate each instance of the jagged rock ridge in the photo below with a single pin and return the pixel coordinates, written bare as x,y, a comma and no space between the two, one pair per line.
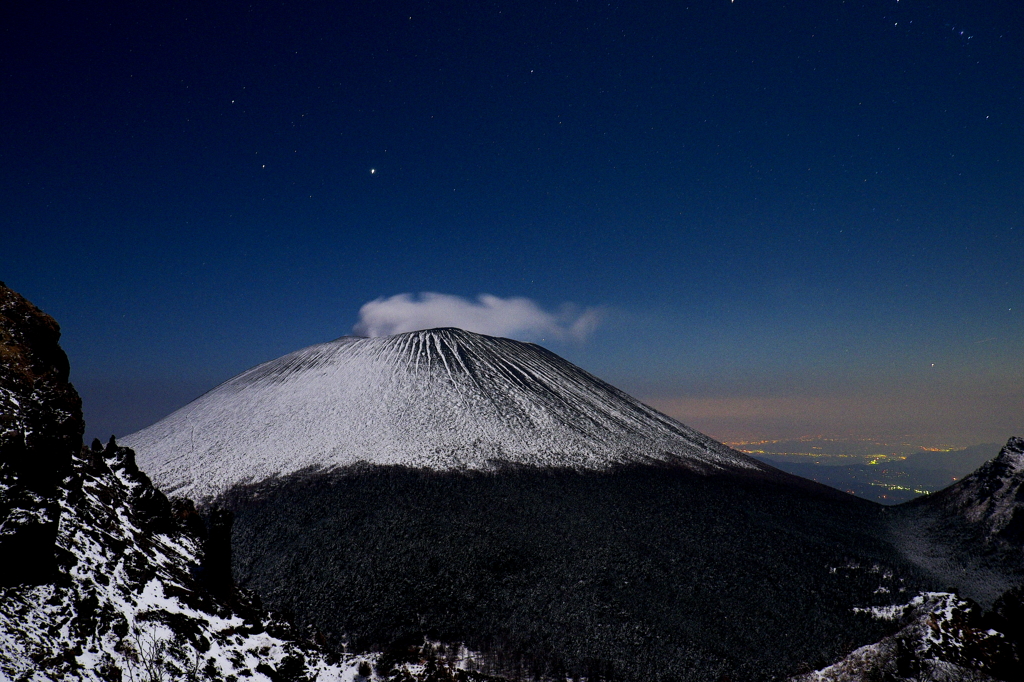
443,399
40,430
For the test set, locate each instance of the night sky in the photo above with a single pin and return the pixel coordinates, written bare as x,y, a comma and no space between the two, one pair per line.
766,219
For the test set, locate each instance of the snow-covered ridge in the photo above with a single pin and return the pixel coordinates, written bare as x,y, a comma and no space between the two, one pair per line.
444,399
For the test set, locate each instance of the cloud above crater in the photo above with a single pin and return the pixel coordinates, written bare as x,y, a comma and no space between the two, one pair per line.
514,317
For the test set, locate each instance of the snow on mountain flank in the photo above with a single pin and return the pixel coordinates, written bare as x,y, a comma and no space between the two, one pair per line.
443,399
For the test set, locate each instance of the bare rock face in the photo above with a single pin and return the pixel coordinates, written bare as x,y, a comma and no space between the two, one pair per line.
40,431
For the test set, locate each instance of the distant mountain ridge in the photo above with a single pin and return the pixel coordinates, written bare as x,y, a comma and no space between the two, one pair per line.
992,497
970,535
443,399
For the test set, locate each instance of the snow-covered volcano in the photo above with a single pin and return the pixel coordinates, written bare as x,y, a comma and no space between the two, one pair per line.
444,399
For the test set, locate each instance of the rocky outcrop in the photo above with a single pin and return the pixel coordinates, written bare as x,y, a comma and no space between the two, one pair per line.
40,431
942,638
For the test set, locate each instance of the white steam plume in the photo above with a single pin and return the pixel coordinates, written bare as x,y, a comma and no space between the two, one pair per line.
513,317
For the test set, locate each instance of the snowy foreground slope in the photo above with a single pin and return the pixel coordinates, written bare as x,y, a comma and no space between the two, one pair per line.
129,603
443,399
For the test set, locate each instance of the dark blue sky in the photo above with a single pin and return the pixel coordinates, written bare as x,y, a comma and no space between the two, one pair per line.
800,218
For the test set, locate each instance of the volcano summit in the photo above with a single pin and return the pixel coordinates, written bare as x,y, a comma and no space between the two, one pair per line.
443,399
